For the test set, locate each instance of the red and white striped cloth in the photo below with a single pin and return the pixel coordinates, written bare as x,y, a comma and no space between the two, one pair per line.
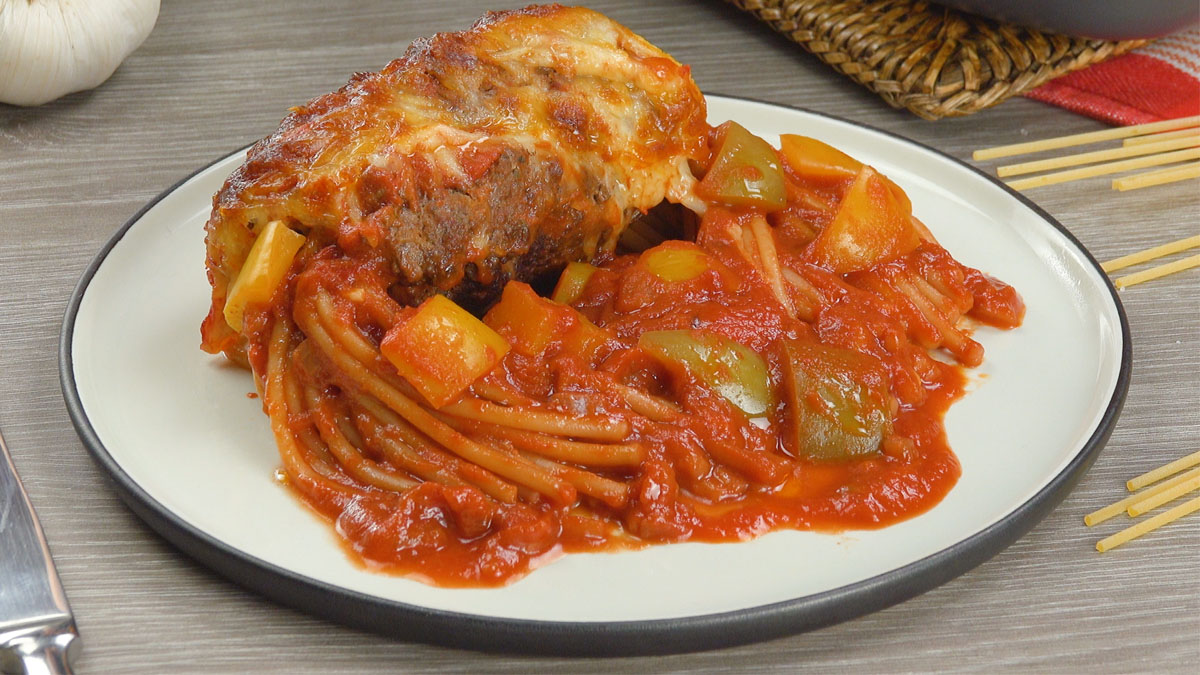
1155,82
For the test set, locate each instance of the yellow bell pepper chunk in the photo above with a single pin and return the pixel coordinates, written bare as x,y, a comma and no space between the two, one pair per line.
572,282
585,339
525,319
266,265
813,160
872,225
441,349
676,263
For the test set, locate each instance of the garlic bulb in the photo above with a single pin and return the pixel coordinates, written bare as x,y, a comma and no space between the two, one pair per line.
49,48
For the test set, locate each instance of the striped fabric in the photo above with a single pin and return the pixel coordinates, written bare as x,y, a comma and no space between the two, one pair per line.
1158,81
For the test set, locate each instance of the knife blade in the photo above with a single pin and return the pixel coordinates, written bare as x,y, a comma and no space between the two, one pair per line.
37,629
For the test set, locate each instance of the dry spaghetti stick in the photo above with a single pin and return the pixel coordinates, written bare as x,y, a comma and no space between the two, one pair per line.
1105,169
1159,177
1163,471
1148,525
1150,254
1190,141
1156,272
1085,138
1150,503
1100,515
1155,138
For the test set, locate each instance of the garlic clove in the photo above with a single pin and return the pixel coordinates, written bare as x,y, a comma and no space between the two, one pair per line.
49,48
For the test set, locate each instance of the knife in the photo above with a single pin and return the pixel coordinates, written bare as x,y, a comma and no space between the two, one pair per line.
37,629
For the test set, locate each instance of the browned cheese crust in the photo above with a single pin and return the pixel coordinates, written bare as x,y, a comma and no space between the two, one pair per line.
503,151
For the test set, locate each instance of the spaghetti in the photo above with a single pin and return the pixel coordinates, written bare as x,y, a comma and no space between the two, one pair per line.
771,371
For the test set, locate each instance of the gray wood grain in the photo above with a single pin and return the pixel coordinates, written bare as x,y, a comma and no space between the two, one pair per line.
216,75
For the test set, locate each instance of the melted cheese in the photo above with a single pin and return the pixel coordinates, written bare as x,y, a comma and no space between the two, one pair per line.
567,86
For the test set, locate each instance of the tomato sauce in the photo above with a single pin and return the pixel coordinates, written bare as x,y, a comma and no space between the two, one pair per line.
760,388
712,474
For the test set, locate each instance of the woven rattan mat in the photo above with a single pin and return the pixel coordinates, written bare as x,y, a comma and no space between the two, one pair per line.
934,61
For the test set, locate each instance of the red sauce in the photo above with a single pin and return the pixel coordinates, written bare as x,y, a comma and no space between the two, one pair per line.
713,473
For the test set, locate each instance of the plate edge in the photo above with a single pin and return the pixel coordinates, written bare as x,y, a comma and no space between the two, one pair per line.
611,638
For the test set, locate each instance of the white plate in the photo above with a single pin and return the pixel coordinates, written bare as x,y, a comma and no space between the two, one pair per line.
192,454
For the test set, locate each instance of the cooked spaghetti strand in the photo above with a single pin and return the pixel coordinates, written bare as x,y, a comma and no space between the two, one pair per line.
767,255
500,463
613,493
544,421
653,407
553,447
422,457
348,456
275,400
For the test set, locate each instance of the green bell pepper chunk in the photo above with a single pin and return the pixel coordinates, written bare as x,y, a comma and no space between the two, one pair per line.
729,368
745,172
837,400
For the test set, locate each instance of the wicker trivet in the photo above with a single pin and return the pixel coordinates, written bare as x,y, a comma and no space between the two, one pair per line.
934,61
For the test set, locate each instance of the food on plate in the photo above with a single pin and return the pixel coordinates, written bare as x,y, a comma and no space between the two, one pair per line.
513,297
504,151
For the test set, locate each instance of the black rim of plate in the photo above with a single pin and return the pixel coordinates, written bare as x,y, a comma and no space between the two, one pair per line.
618,638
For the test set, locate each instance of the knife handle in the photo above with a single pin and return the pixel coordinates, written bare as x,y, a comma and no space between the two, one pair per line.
46,653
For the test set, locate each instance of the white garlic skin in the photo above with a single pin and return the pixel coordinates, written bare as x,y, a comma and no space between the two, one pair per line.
50,48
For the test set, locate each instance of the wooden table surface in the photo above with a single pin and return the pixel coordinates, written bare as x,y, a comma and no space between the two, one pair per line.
215,75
